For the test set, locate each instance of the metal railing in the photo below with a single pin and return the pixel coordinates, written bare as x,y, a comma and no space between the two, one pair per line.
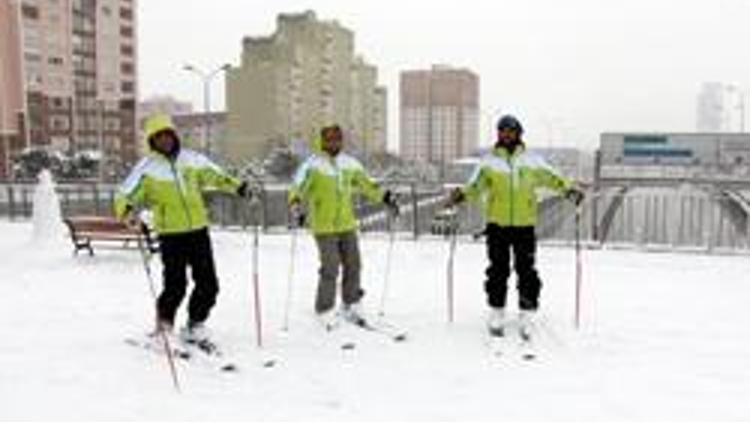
650,219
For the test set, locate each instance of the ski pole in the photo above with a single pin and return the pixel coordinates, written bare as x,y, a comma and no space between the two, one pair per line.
146,259
388,259
449,270
578,266
290,279
257,181
256,283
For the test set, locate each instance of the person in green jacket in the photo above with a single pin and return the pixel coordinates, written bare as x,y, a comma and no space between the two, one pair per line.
327,183
169,182
505,182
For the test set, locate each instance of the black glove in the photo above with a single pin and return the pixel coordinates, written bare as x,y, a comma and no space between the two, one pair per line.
130,217
390,200
245,191
575,195
297,214
456,197
128,211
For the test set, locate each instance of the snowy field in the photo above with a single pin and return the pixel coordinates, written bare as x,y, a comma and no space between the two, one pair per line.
665,337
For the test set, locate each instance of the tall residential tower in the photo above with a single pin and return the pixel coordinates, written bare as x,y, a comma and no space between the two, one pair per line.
439,114
306,74
78,65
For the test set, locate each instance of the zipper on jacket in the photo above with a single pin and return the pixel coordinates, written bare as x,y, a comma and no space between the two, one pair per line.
181,193
512,190
339,181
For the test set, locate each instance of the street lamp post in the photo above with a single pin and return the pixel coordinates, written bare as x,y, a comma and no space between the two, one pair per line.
206,78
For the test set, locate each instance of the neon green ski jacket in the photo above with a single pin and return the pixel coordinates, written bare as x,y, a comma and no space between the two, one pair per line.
506,184
172,188
328,185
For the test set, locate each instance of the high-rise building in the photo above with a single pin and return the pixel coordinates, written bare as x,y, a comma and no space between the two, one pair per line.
290,83
710,111
11,83
439,114
367,116
380,117
78,61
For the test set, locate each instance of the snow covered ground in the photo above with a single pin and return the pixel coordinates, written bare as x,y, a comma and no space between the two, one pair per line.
665,337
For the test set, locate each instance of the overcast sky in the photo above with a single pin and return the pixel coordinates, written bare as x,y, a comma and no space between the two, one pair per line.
569,69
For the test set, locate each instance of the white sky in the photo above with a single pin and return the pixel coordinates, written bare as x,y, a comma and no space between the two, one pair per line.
569,69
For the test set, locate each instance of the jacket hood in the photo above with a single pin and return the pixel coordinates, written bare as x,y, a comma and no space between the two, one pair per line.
317,145
159,123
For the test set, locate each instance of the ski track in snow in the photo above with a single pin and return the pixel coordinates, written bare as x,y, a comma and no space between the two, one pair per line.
664,337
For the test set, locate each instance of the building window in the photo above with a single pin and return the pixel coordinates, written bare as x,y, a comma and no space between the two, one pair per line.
126,50
126,31
127,105
112,125
30,12
126,68
127,87
59,123
32,57
126,14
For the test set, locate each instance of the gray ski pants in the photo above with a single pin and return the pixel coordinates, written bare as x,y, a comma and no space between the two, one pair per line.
338,250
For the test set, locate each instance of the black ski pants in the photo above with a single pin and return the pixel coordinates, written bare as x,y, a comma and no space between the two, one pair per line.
522,242
178,252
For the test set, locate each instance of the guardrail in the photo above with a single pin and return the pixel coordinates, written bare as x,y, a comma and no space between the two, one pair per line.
656,218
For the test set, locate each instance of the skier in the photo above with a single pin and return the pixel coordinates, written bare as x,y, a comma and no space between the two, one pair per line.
506,180
169,182
327,182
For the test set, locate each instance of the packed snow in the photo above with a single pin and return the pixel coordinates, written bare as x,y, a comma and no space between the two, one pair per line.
664,337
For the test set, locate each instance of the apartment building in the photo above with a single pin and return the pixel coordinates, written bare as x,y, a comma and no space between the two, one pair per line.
306,74
439,114
78,61
12,102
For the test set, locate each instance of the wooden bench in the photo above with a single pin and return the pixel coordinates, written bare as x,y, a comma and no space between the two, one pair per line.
84,230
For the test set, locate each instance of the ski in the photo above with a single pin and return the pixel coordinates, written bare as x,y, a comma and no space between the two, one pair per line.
148,344
528,351
348,345
333,329
190,353
210,352
499,344
382,328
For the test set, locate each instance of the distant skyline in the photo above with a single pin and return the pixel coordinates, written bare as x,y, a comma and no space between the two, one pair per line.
569,70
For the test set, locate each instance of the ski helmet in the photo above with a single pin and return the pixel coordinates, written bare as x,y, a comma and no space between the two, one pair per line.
509,122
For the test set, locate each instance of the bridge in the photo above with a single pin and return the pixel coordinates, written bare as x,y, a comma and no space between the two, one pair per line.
710,210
